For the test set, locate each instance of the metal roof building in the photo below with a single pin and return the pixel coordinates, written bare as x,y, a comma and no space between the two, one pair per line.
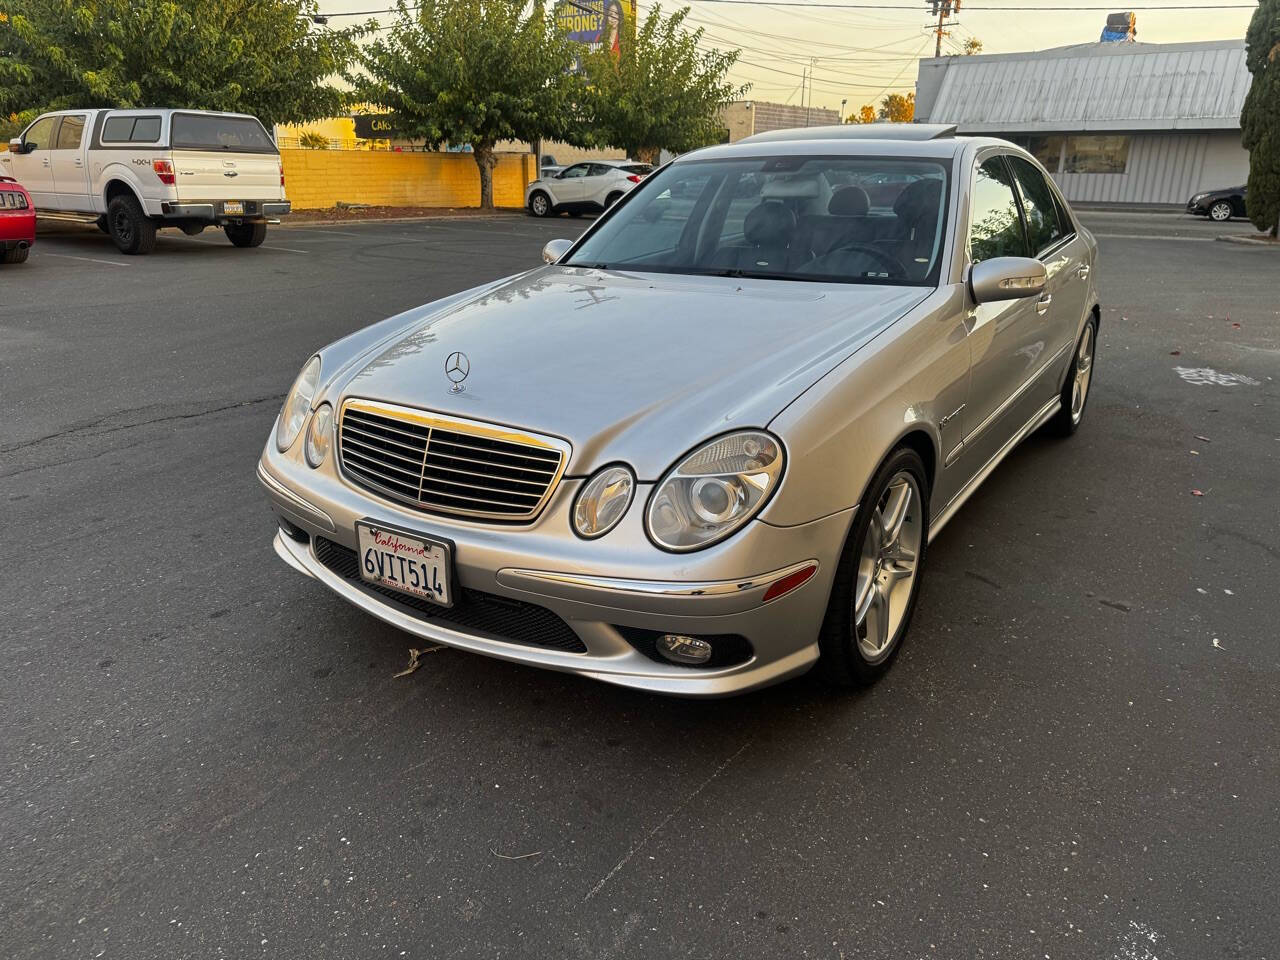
1113,122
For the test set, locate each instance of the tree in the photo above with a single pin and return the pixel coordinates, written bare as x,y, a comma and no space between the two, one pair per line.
474,72
251,56
866,114
1260,118
972,45
311,140
897,108
659,89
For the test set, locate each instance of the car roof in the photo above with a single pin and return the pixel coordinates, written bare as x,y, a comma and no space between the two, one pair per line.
859,131
147,111
922,148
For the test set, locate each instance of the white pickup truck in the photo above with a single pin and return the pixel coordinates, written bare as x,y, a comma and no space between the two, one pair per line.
135,171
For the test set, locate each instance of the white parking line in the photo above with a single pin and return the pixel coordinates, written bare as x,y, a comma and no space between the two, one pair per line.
219,244
67,256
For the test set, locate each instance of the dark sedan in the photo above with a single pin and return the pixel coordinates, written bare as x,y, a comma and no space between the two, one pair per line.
1220,205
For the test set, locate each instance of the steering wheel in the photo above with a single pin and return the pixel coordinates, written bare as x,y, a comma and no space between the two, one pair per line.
886,259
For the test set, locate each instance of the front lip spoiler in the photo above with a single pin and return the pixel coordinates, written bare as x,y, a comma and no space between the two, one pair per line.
697,598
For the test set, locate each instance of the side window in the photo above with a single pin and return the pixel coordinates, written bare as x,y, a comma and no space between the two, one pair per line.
1043,226
995,228
71,132
146,130
40,133
117,130
577,170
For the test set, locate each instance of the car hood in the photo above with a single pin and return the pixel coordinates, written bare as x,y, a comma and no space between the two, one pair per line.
627,366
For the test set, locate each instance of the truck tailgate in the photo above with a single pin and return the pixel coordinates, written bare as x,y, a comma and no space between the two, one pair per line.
214,175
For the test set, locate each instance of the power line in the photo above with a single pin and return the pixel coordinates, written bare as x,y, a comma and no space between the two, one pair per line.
815,5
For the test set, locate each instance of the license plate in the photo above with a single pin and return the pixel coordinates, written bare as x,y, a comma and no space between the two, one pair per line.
405,562
233,207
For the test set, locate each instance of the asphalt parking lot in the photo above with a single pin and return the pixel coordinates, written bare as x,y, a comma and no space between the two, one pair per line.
205,755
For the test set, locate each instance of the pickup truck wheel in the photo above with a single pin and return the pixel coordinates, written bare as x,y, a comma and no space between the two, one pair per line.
16,255
130,228
246,234
101,224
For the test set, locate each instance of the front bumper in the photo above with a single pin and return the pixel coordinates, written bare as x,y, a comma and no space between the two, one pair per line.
605,590
1200,208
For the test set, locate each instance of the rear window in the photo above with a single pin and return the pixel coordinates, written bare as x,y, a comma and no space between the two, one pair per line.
131,130
196,131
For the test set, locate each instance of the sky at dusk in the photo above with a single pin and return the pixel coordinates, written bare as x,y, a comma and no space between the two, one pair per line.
863,54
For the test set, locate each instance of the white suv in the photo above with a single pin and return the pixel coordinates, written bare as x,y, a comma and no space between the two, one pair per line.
137,170
587,187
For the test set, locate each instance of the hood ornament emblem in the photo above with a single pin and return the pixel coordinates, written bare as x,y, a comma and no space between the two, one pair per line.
456,368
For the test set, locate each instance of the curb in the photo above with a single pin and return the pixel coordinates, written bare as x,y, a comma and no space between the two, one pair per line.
1251,241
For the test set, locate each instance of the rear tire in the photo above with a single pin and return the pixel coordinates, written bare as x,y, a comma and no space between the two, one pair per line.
16,255
246,234
131,229
540,204
1075,391
613,198
878,578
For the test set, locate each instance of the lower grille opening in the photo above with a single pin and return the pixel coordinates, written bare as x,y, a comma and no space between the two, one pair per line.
727,649
292,531
511,620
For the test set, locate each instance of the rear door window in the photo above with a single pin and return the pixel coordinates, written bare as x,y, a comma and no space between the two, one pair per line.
71,132
198,131
995,227
1044,229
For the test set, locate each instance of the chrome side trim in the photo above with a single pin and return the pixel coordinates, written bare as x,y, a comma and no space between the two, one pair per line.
290,502
1013,397
687,598
949,511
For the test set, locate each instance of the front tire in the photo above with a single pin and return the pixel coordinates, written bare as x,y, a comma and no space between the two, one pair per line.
246,234
540,204
1075,391
131,229
1220,211
878,578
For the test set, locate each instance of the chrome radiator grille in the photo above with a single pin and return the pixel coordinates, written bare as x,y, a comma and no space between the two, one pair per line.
446,465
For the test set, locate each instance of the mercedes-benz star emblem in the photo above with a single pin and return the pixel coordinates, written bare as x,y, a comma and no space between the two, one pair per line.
456,368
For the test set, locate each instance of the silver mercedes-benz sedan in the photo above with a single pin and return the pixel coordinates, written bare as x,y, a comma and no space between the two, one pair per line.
705,446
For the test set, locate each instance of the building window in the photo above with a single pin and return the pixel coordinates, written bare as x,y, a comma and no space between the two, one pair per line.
1048,150
1096,154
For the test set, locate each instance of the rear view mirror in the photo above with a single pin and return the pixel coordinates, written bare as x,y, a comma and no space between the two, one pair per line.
15,145
1006,278
555,249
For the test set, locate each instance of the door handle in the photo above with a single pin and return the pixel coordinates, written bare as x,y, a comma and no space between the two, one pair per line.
79,162
1082,271
46,161
1042,305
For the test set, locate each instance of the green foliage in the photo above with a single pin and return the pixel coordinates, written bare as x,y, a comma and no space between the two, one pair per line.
659,90
474,72
1260,118
310,140
251,56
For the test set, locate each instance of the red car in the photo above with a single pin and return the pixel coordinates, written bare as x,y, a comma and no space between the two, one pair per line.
17,221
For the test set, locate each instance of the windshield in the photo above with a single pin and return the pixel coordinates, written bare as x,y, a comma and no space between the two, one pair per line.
843,219
205,131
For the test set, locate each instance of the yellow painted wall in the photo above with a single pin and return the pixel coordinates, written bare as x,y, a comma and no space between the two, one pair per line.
318,179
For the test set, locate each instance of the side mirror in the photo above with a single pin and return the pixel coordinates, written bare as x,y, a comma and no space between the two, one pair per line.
555,249
1006,278
15,146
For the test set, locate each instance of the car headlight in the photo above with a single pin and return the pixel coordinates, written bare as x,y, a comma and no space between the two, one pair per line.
298,404
1198,197
602,501
714,490
319,435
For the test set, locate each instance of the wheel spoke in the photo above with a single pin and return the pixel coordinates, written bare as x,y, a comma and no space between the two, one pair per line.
895,512
876,622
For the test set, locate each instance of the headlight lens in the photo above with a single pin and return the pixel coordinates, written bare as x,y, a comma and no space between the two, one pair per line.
715,490
319,435
298,404
603,501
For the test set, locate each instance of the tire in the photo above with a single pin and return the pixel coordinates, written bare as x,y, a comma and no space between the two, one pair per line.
132,231
246,234
1221,211
612,198
16,255
540,204
860,638
1067,420
101,224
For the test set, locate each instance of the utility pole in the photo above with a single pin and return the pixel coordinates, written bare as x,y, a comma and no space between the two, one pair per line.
942,10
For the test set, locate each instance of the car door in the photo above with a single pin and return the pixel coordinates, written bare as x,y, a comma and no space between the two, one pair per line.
33,167
70,175
570,184
601,181
1008,338
1054,240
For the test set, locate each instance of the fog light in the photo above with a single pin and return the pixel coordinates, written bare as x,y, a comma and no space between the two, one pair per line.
679,649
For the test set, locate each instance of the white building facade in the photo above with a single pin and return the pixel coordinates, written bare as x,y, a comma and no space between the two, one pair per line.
1125,123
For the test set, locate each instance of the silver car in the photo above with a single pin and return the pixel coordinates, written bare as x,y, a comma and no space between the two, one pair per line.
706,446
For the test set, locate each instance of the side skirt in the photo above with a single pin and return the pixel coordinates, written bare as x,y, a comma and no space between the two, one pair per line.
958,501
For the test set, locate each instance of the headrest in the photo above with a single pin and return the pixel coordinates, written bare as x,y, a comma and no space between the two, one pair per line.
801,187
919,199
769,224
849,201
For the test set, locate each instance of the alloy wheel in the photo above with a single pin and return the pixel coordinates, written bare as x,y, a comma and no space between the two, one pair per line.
122,226
1083,374
887,567
1220,211
539,205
